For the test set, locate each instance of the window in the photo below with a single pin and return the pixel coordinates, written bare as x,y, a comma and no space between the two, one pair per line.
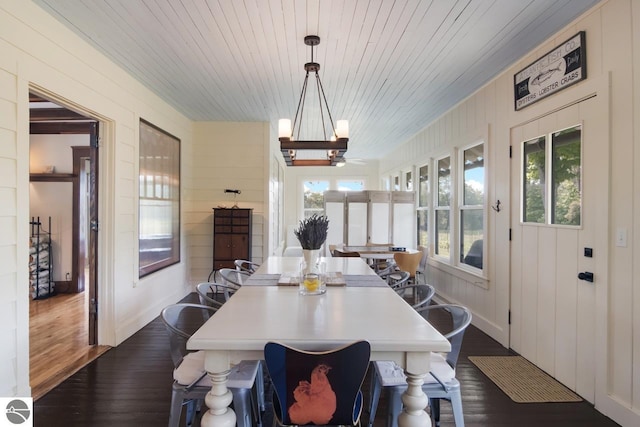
472,206
314,197
442,208
423,206
396,183
566,177
351,185
159,204
408,181
552,176
534,175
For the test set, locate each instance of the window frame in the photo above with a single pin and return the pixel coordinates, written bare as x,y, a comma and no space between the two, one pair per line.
173,171
437,208
420,207
462,207
549,201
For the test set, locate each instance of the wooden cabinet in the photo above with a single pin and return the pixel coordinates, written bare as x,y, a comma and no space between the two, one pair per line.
231,236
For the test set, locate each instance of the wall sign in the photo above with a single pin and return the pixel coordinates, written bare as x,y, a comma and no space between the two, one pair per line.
557,70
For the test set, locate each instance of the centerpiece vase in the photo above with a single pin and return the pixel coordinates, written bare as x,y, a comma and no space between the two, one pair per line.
311,260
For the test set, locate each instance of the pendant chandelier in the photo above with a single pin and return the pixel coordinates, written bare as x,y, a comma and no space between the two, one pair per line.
326,152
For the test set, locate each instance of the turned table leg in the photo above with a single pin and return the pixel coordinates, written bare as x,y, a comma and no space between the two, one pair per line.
218,401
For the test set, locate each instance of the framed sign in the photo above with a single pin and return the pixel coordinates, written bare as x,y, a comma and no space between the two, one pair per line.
557,70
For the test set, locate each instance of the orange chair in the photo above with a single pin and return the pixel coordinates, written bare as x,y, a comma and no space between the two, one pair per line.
406,261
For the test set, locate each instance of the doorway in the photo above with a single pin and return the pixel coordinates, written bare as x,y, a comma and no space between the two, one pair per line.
559,182
63,194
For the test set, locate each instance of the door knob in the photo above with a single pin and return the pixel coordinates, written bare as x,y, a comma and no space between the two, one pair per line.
586,276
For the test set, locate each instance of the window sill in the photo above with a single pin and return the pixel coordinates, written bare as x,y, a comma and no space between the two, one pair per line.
467,275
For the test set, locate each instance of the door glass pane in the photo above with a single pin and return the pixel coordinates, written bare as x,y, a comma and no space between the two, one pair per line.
442,242
474,176
471,226
533,209
566,177
444,181
423,190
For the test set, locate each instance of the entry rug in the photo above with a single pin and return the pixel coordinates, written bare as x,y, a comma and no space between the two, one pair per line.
523,381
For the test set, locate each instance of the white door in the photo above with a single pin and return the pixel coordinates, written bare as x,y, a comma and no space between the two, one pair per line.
559,213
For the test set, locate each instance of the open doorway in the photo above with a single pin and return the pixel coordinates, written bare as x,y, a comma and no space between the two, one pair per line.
63,160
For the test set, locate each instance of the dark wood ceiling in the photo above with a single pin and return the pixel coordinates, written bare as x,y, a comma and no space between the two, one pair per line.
55,119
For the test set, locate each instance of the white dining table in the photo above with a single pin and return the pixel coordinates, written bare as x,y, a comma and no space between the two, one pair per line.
255,315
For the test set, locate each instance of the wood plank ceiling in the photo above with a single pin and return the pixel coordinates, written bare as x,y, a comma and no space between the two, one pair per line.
388,66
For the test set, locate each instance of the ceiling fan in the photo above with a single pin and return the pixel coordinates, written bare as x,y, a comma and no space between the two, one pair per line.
351,161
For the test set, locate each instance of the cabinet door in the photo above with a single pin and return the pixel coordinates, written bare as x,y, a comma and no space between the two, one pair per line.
239,246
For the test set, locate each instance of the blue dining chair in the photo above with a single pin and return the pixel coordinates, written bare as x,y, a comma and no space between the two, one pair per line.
317,388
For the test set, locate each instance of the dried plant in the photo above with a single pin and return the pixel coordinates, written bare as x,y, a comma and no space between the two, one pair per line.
312,231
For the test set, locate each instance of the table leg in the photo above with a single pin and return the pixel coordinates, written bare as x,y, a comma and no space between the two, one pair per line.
218,401
415,402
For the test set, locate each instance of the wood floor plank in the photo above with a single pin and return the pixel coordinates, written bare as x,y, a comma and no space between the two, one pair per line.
58,340
130,385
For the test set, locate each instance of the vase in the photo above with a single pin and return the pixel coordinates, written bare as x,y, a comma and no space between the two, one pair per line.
312,280
311,259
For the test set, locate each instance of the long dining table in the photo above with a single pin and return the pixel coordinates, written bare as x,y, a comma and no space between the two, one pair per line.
260,312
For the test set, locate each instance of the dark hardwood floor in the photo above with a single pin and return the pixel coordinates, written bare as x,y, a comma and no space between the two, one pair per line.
130,385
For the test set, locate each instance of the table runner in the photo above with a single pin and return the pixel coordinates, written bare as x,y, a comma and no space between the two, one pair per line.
351,280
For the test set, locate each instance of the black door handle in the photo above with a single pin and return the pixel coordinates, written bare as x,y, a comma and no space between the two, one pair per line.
586,276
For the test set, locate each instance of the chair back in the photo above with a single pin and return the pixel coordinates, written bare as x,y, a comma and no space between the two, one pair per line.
214,294
397,279
181,321
408,261
460,318
245,265
332,248
421,294
233,277
317,387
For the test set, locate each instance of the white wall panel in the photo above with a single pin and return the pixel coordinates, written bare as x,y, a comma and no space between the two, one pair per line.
612,30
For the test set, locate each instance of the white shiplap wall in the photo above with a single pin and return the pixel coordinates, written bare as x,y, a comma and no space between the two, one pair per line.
613,55
37,51
224,155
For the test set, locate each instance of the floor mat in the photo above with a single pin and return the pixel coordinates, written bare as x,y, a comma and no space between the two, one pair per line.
523,381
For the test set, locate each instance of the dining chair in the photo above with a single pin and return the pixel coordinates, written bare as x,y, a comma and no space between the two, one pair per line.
214,294
332,248
396,278
380,264
421,294
407,261
233,277
191,382
441,383
340,253
422,266
247,266
317,388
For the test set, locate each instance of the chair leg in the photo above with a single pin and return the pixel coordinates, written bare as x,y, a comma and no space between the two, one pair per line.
242,406
435,411
395,405
456,405
374,396
176,408
260,387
